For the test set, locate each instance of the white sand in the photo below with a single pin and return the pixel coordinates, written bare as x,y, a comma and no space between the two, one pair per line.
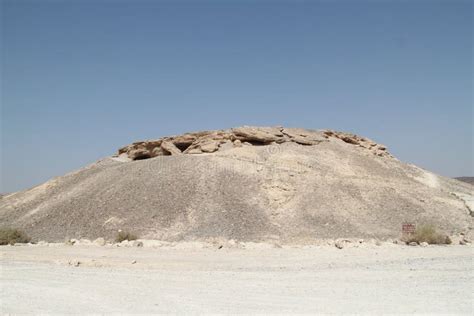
399,279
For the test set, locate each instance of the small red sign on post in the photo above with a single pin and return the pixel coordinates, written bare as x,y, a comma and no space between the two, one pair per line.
408,228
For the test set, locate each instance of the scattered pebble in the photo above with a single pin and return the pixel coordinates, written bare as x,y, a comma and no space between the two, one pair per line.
137,243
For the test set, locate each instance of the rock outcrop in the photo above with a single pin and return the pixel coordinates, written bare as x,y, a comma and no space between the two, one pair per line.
212,141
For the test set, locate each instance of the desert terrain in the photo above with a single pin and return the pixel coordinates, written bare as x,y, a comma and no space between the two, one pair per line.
245,220
367,279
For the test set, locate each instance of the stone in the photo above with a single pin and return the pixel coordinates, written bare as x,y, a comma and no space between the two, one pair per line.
157,151
85,242
68,242
424,244
125,243
225,145
140,153
340,243
137,243
193,151
212,141
209,147
376,149
264,135
170,148
99,241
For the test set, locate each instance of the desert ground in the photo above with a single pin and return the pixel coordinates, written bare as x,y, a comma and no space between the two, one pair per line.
372,279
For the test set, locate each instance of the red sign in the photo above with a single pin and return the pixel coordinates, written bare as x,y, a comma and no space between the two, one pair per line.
408,228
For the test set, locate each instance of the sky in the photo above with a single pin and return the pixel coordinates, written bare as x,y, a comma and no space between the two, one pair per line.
79,79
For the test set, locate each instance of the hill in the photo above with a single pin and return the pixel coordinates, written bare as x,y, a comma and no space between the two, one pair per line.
469,180
249,184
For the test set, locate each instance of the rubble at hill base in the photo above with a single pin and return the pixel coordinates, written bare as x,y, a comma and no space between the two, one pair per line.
212,141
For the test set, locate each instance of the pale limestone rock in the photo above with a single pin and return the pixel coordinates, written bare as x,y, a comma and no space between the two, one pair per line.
171,148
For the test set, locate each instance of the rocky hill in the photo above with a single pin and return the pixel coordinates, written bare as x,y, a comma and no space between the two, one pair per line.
282,185
469,180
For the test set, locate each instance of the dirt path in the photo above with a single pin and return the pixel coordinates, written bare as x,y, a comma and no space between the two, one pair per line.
320,280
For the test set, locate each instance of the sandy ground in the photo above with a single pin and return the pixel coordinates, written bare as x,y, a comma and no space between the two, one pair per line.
398,279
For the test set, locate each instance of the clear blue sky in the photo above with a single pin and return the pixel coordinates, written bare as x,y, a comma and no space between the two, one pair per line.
82,78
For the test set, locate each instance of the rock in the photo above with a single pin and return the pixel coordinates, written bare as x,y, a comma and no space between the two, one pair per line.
170,148
68,242
193,151
413,243
85,242
225,145
137,243
303,137
212,141
157,151
99,242
424,244
462,242
209,147
187,139
264,135
139,153
125,243
74,263
376,149
340,243
134,261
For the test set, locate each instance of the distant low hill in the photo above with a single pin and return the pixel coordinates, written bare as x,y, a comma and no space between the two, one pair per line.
469,180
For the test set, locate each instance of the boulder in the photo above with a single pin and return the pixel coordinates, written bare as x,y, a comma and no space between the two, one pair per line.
341,243
99,242
139,153
170,148
264,135
210,147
